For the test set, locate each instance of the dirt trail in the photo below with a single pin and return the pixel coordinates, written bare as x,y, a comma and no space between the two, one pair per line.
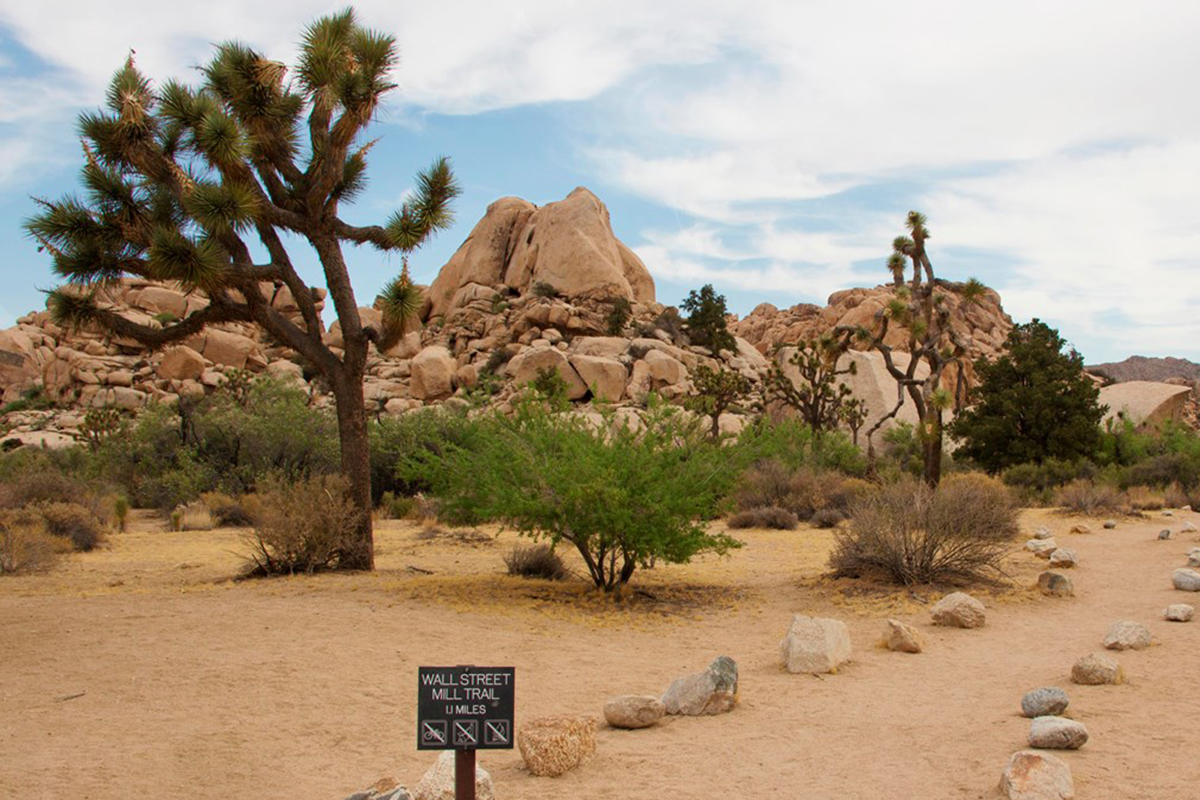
305,687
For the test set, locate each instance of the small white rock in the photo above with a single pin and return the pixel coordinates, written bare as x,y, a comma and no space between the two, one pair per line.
1064,557
1126,635
1178,612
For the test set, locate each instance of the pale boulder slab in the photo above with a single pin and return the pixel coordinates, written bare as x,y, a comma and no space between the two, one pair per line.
713,691
1031,775
1057,733
1048,701
959,610
815,645
1179,612
1126,635
438,782
1186,580
1097,669
633,711
1081,528
902,637
553,746
1043,533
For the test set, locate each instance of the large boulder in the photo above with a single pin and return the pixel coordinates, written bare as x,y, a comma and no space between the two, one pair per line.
1030,775
525,366
713,691
1144,402
181,364
568,244
226,348
19,369
814,645
606,377
438,782
552,746
433,371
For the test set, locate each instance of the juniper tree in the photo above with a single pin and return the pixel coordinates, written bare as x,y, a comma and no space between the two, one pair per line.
920,307
212,186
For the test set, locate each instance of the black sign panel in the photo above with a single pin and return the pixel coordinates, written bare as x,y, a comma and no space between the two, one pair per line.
465,708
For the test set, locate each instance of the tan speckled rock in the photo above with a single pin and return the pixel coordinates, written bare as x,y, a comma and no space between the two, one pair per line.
959,610
438,783
1036,776
903,638
554,745
632,711
1097,669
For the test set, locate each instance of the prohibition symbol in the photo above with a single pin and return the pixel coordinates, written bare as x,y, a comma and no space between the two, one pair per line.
466,733
496,731
433,733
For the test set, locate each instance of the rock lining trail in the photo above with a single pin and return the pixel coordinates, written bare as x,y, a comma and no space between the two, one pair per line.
307,686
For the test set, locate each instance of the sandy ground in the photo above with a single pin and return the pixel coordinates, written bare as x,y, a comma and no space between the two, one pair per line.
141,671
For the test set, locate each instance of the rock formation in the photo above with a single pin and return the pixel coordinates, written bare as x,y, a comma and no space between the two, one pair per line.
531,289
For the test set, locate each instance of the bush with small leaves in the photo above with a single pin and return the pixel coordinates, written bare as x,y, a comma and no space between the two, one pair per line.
618,316
827,518
227,511
1143,498
802,492
1090,498
121,511
24,544
71,522
535,561
394,506
543,289
551,387
706,323
764,517
909,534
304,526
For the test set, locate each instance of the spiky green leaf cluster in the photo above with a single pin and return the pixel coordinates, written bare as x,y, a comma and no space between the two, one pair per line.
428,210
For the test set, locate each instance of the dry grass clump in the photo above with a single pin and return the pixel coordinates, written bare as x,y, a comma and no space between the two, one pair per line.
71,522
802,492
396,506
469,536
1143,498
228,511
24,544
765,517
306,526
911,534
193,516
1086,497
535,561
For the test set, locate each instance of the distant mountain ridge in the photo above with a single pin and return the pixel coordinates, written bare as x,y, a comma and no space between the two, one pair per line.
1142,368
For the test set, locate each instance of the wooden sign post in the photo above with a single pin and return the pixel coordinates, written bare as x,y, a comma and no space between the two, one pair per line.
465,709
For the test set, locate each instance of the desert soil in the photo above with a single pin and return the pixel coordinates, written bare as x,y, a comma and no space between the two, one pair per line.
142,670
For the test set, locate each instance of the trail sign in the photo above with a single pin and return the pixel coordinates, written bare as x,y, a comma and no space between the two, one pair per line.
465,708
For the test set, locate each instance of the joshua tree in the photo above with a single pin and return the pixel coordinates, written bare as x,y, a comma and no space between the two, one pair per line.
818,396
180,180
854,413
920,307
715,391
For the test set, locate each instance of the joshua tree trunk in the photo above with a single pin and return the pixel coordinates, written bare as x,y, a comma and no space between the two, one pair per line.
356,466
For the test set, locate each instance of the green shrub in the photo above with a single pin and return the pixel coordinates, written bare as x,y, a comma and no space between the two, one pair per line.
401,447
496,361
764,517
543,289
911,534
44,486
1163,470
706,323
71,522
794,445
34,399
1088,497
394,506
304,526
551,387
622,497
535,561
120,511
618,316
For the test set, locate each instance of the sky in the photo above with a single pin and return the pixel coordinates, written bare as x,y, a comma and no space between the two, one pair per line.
771,149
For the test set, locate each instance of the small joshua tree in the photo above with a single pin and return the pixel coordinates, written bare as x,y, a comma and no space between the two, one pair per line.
195,185
715,390
853,413
819,396
920,307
